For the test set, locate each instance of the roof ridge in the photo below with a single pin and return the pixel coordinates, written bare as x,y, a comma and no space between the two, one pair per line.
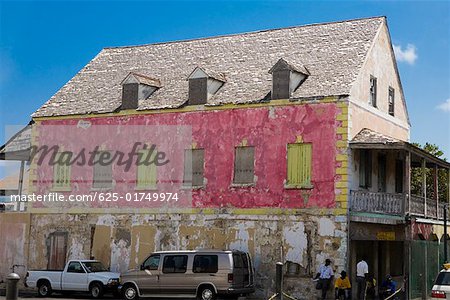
243,33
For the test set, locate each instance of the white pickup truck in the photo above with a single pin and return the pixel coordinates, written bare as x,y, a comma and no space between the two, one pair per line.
78,276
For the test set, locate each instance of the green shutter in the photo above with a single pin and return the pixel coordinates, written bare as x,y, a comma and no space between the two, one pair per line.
299,165
147,175
61,174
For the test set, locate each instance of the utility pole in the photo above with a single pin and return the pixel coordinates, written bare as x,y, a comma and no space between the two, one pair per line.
445,232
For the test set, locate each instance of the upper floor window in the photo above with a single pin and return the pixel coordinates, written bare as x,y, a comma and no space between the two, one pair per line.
102,170
373,91
299,162
391,100
147,174
244,165
61,171
193,167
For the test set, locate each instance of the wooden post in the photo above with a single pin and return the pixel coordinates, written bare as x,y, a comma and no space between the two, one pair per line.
436,189
424,184
408,180
22,164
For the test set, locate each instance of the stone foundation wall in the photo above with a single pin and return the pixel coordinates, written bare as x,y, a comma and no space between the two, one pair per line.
122,241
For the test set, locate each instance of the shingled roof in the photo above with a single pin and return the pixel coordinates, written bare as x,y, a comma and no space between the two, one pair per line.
333,53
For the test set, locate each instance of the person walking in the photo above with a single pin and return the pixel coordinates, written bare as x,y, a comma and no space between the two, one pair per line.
325,276
362,270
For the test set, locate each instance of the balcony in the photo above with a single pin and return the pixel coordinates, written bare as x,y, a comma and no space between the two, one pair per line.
395,204
378,203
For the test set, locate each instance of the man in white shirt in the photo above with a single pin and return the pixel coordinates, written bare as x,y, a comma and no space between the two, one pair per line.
325,276
362,269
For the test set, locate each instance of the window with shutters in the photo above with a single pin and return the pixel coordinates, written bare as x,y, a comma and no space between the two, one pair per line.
193,167
391,100
299,161
373,91
244,165
147,174
102,173
61,171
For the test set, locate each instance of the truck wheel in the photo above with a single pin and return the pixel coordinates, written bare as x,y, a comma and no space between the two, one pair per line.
130,292
96,290
206,293
44,289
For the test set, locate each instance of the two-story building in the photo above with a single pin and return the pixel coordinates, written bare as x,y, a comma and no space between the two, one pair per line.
290,143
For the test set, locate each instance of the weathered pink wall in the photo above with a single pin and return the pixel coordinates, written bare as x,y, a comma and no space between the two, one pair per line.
269,129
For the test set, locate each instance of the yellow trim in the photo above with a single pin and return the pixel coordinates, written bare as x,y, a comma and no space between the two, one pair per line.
203,211
193,108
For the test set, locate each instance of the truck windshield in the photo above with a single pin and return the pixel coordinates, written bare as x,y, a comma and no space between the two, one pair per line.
94,266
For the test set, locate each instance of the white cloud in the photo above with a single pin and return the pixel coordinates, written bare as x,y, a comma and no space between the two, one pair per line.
408,55
445,106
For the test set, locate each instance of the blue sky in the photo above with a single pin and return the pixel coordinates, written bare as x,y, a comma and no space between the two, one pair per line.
44,44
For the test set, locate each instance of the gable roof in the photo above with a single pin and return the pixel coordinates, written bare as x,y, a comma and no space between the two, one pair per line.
333,53
143,79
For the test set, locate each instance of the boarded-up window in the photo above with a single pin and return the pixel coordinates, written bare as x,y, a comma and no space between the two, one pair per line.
193,167
102,171
244,165
61,171
198,91
373,91
280,84
147,174
299,160
391,101
365,168
57,251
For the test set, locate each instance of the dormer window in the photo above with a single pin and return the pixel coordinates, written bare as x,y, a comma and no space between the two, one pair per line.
136,87
203,85
286,78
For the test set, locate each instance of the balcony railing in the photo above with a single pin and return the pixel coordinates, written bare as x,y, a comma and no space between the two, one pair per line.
382,203
395,204
418,207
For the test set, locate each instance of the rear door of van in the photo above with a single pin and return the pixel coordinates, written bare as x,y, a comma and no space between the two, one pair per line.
238,270
248,270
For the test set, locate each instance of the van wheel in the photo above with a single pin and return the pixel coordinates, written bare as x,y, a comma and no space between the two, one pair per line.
44,289
96,290
130,292
207,293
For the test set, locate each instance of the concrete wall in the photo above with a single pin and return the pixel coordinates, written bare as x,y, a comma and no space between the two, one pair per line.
380,63
122,241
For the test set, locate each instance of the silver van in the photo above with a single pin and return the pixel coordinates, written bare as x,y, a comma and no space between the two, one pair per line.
201,274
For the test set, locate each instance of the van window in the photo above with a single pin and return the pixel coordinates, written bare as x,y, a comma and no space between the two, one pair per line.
175,264
205,264
152,263
237,261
